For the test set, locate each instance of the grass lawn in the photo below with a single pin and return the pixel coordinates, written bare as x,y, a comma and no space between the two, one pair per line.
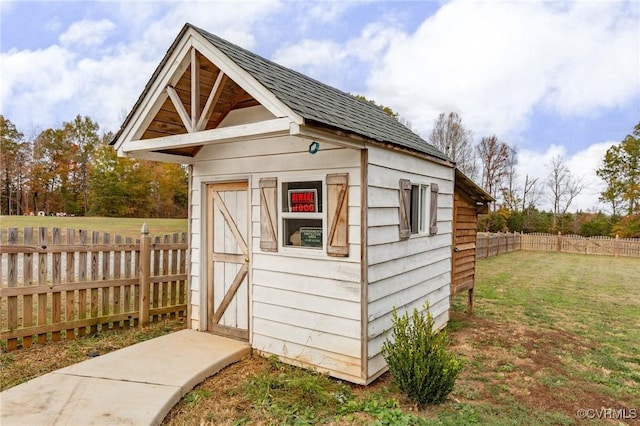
126,227
552,334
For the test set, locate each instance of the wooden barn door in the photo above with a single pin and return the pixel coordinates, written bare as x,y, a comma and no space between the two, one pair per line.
228,259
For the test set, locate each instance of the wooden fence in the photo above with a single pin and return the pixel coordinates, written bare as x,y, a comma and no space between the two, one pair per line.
607,246
489,244
61,285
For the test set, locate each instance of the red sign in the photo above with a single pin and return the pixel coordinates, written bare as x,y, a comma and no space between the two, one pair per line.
303,200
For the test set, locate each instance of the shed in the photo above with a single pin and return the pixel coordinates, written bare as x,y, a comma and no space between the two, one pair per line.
312,213
470,200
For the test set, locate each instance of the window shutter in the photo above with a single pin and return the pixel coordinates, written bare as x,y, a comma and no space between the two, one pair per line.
433,210
405,209
269,214
337,214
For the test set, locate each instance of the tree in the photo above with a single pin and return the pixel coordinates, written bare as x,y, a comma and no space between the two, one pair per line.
454,140
494,156
529,193
510,198
169,189
52,172
387,110
563,188
132,188
593,224
82,133
627,227
119,186
13,159
620,171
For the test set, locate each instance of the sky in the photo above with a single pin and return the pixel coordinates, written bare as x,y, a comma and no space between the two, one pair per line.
554,78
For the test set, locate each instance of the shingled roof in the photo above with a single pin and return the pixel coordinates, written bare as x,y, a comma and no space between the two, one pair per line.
318,102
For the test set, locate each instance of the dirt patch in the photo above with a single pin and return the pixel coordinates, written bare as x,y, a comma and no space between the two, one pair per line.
535,367
222,402
506,366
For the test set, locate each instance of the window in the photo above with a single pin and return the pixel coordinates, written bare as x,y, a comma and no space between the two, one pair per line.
310,214
418,203
302,214
418,212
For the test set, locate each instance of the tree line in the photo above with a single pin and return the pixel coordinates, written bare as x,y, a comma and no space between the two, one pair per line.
72,170
492,163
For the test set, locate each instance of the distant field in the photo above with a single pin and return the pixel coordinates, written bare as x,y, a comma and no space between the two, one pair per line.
127,227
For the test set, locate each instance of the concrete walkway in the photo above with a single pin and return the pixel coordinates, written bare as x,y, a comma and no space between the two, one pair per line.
137,385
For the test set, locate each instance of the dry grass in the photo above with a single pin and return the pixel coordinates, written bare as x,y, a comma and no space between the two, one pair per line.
551,334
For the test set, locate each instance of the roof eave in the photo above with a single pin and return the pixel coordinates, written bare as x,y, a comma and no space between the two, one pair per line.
363,140
473,190
147,86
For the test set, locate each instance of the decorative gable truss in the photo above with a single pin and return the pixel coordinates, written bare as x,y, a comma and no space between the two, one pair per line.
193,90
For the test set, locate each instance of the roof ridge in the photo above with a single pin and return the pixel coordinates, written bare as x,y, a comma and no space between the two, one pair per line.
210,35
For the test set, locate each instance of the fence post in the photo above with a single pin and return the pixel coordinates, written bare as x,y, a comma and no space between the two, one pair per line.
145,269
488,245
559,242
616,246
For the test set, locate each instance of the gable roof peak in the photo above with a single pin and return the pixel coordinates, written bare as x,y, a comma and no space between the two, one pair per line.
319,103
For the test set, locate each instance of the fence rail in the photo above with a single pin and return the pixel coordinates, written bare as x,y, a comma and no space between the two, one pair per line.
490,244
56,285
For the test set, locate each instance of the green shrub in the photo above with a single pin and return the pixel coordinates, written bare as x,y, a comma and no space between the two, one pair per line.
418,359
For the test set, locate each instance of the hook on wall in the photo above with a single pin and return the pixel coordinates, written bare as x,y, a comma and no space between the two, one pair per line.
314,147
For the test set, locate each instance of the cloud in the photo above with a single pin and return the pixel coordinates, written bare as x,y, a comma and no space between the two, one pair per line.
6,6
584,164
336,63
34,81
87,32
327,11
52,85
226,19
495,62
309,53
373,40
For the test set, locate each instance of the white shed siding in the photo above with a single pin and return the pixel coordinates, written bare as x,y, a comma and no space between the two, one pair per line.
404,273
194,257
305,307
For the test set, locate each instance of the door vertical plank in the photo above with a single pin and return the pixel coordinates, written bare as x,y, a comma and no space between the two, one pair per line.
228,257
